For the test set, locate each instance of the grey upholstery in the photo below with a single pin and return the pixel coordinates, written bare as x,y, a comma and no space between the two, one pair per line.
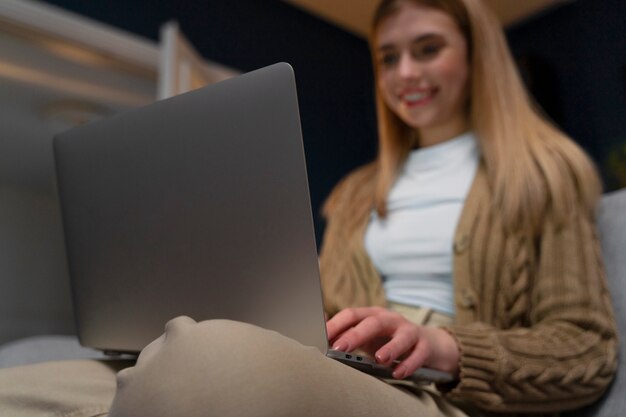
612,228
44,348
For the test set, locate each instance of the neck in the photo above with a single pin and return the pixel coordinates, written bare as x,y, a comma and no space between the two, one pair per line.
437,134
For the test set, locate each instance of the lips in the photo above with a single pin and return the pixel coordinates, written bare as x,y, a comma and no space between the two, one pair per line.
411,98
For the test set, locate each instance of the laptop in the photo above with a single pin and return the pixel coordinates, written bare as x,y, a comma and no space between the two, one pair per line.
196,205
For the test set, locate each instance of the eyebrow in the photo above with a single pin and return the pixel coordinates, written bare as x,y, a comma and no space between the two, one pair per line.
417,39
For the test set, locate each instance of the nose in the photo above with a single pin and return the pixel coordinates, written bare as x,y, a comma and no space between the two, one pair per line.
408,68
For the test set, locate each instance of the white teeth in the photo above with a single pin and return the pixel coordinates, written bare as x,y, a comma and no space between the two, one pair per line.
415,96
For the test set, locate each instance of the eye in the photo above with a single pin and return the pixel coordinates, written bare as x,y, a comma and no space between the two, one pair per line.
388,59
427,51
430,50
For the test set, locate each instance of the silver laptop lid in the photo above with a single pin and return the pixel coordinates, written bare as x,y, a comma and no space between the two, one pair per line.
197,205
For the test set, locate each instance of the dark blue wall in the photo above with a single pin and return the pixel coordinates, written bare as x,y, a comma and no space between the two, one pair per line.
332,67
577,59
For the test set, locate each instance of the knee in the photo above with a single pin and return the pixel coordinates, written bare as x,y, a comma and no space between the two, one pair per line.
213,365
228,337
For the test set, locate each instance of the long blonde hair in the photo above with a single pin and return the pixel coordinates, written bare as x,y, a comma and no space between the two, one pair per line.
532,166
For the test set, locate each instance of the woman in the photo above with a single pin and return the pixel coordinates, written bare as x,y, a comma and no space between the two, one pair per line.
468,246
532,314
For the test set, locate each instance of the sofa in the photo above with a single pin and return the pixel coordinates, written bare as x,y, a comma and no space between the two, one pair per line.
612,229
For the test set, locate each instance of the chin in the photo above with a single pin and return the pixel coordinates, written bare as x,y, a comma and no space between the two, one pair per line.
418,124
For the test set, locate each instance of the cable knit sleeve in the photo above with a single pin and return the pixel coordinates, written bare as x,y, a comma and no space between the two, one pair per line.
536,330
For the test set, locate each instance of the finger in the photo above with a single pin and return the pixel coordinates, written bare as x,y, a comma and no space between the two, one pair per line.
403,341
415,360
358,335
348,318
368,329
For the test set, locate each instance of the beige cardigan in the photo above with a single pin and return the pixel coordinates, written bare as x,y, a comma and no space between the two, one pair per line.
534,320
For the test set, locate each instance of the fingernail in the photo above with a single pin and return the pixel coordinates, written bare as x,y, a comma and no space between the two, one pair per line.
382,357
343,346
399,373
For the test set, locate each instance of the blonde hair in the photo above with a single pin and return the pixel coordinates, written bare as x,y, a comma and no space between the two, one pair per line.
532,166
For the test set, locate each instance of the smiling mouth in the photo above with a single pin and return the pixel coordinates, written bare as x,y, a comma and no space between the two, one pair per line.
417,98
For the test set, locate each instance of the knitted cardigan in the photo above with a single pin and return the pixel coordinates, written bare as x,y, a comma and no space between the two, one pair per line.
533,321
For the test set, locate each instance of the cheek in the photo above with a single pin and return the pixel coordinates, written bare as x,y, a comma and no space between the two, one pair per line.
455,73
386,88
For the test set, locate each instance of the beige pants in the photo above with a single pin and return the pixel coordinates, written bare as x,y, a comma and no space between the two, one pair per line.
65,388
212,368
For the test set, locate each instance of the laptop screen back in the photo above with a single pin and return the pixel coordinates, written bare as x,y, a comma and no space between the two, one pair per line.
196,205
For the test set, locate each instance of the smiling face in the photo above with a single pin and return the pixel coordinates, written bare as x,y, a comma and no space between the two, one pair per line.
423,71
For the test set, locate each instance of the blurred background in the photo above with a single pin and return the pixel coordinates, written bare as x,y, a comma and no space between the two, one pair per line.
68,62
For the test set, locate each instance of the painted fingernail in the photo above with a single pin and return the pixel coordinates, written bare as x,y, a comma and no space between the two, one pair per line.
343,346
399,373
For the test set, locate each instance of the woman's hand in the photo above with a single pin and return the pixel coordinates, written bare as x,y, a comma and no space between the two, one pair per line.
388,336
